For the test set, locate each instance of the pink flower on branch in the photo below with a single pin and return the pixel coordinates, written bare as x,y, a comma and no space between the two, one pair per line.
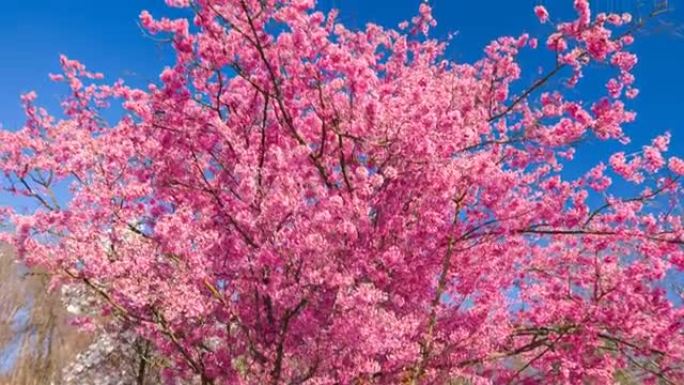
541,13
295,201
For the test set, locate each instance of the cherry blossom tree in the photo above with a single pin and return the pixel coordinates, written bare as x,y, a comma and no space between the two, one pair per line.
298,202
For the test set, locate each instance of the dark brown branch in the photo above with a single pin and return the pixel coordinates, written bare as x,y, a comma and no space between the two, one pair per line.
276,373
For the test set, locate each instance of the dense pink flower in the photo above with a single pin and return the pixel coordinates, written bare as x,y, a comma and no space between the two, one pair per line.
597,180
556,42
654,160
542,13
584,11
624,60
295,201
676,165
628,170
662,142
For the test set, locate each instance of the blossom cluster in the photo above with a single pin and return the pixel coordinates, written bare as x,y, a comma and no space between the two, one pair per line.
299,202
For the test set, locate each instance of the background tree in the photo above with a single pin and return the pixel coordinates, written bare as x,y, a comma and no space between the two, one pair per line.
41,346
297,202
36,340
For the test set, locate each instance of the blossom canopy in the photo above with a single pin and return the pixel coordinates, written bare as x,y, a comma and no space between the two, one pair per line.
298,202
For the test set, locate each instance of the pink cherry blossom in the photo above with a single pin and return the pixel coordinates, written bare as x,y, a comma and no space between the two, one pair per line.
676,165
296,201
542,13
